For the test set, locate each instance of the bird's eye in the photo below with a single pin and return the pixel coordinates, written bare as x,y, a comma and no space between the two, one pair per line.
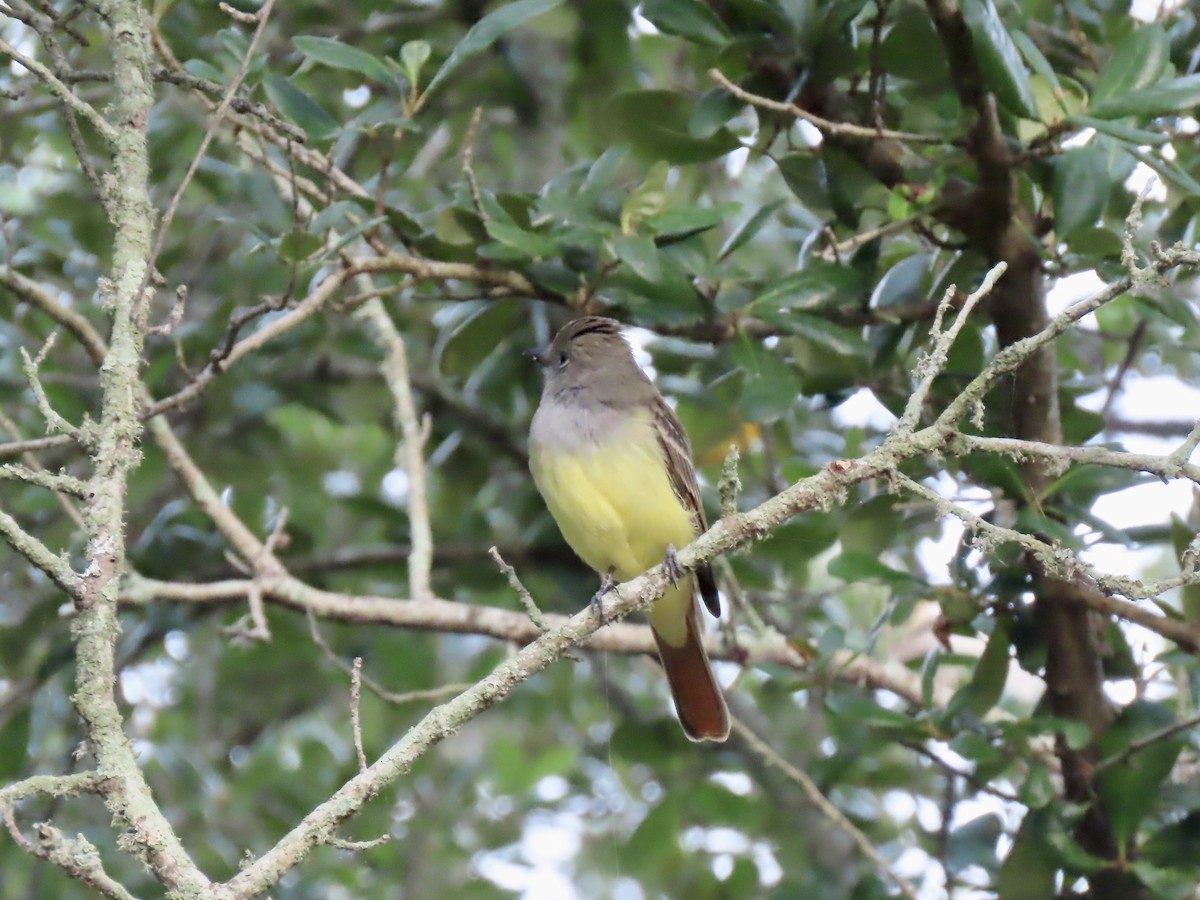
563,359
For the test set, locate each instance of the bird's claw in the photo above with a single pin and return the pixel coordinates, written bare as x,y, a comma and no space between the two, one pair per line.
606,587
671,566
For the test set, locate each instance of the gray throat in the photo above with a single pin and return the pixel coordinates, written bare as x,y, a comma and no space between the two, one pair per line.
565,424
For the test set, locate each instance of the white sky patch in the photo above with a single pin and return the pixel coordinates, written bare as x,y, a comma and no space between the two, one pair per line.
394,487
735,782
358,97
736,161
1072,289
1143,175
628,889
641,25
550,839
1149,398
638,339
1152,10
809,134
769,870
900,805
1079,140
341,483
1145,504
552,788
862,408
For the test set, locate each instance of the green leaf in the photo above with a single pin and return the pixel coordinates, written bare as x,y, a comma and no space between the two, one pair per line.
639,253
804,174
203,69
912,50
14,742
647,199
1119,130
413,56
298,245
743,233
1081,188
852,566
1039,64
1171,173
486,32
1137,62
712,110
1031,867
974,843
818,285
527,243
475,338
1177,95
771,388
347,237
1130,789
655,123
1175,845
689,220
999,59
690,19
1182,535
331,52
299,108
862,710
986,686
829,335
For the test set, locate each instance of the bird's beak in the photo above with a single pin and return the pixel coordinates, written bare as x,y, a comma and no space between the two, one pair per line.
538,356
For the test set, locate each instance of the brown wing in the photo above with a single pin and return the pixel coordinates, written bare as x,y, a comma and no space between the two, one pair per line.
677,451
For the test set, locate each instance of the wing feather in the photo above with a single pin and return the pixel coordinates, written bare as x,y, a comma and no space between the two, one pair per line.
677,453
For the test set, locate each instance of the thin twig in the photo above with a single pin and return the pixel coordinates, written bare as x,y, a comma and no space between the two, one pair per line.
358,846
411,454
931,365
825,126
1066,565
31,462
797,775
1136,746
261,17
514,581
468,162
730,485
58,482
355,713
62,91
396,698
54,421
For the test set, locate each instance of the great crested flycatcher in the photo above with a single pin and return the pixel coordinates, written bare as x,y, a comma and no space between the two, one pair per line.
615,468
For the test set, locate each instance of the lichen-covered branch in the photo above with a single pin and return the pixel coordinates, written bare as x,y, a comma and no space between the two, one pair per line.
115,453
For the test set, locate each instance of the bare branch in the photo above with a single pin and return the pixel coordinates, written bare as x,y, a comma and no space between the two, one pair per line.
55,481
355,713
1061,563
62,91
514,582
825,126
797,775
411,454
261,18
932,365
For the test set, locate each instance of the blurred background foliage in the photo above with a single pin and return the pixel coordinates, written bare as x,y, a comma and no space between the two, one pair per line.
779,285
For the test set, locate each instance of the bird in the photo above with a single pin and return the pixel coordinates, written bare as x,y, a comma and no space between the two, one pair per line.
614,466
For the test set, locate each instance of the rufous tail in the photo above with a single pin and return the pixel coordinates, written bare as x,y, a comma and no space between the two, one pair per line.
698,699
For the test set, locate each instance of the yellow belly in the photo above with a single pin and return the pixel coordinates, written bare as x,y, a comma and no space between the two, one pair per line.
616,508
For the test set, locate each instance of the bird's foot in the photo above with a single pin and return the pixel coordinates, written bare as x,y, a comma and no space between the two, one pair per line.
606,587
672,567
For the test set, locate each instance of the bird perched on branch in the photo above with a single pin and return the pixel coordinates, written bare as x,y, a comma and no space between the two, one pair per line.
614,466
